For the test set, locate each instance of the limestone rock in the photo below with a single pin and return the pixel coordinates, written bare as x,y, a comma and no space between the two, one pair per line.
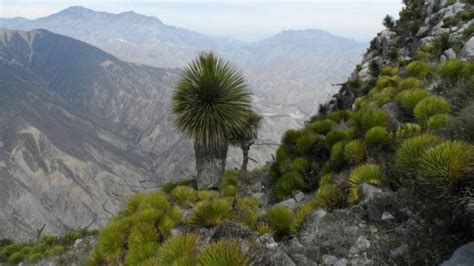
463,256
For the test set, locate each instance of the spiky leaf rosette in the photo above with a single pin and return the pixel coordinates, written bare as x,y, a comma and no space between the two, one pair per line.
211,101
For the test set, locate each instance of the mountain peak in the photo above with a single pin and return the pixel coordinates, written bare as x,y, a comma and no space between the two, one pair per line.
76,11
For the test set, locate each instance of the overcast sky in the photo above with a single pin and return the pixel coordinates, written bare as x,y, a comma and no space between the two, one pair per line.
246,20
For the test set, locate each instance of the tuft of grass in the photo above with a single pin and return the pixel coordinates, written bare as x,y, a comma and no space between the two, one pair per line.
306,142
452,70
155,200
35,258
408,99
408,130
283,153
207,194
418,69
264,228
167,187
430,106
389,71
280,219
211,213
447,164
301,216
378,136
340,116
322,127
137,255
408,155
333,137
354,152
180,250
291,136
184,195
224,252
141,234
301,165
230,183
368,173
439,121
336,159
409,83
365,119
329,196
287,184
16,258
112,240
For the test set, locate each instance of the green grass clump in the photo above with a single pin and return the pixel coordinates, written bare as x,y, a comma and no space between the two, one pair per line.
365,119
384,81
368,173
291,136
306,142
230,183
167,187
263,228
280,219
378,136
142,234
329,196
301,165
452,70
283,153
408,155
334,137
449,163
301,215
408,130
138,255
35,258
16,258
322,127
207,194
224,252
180,250
408,99
336,159
418,69
246,212
112,240
287,184
438,122
340,116
326,179
184,195
155,200
431,106
354,152
211,213
409,83
389,71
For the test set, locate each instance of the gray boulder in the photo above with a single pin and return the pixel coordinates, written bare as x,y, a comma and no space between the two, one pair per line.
463,256
468,49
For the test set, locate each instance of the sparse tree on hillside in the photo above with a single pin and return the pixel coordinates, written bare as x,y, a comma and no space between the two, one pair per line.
210,104
246,138
389,22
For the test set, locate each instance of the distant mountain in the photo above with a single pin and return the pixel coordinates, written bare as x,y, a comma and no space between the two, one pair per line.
292,68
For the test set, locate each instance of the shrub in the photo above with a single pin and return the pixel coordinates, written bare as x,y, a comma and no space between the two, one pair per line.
409,83
211,213
378,136
447,163
280,219
137,255
112,240
184,248
301,215
306,142
408,99
339,116
383,81
35,258
282,153
326,179
16,258
333,137
389,71
438,122
184,195
354,152
224,252
368,173
452,70
389,22
291,136
408,130
287,184
337,155
322,127
408,155
301,165
329,196
430,106
365,119
155,200
442,43
418,69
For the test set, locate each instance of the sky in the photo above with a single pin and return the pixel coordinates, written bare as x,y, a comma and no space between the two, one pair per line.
241,19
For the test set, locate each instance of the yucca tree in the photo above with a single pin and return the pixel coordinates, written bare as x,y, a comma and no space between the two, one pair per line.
247,136
210,104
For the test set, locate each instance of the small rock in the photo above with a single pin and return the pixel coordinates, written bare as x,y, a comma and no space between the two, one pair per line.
369,191
387,216
468,49
341,262
329,260
299,196
302,260
351,230
268,241
450,54
400,251
290,203
362,243
260,196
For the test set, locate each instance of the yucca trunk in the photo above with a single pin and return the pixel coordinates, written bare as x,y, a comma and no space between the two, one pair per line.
245,153
210,164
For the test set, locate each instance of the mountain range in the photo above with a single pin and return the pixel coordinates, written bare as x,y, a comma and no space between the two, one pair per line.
82,129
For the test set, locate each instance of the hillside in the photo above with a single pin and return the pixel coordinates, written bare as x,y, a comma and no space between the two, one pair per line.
382,174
